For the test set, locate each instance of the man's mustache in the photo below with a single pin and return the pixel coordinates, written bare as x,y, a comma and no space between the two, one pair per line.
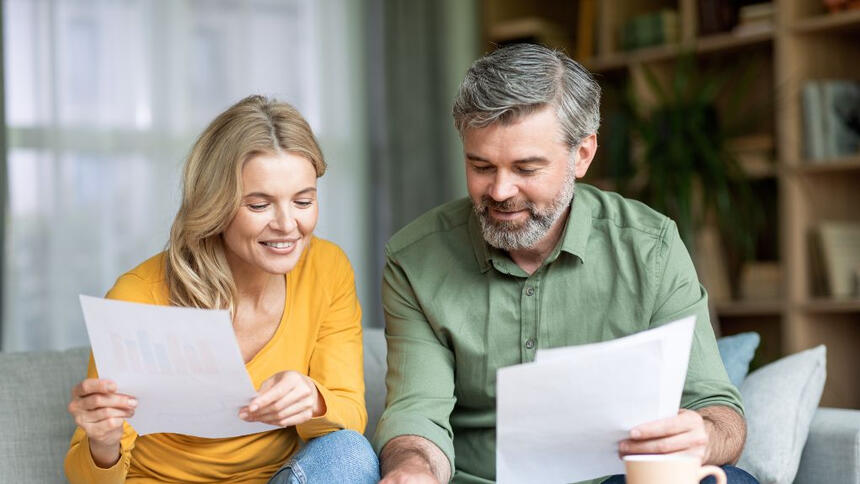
509,205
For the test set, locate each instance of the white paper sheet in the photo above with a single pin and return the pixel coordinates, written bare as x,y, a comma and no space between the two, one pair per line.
560,418
182,364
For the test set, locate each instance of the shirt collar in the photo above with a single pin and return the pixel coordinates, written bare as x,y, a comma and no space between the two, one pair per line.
574,239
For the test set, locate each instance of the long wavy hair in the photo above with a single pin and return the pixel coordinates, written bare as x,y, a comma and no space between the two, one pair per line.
196,272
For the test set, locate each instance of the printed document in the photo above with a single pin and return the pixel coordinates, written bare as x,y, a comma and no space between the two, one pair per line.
560,418
182,364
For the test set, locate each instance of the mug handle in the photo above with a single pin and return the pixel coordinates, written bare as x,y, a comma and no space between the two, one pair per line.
715,471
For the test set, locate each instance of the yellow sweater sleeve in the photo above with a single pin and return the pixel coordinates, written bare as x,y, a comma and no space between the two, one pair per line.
79,464
337,364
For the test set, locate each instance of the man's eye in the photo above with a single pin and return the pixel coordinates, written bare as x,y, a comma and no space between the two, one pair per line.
304,203
482,169
527,171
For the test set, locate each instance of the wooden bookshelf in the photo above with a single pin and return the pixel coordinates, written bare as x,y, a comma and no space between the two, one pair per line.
701,46
838,165
802,43
750,308
837,306
828,23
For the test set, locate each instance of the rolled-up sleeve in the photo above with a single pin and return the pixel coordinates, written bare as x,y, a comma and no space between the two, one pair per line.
420,378
680,294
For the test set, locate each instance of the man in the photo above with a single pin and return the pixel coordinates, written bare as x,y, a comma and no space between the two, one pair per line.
481,283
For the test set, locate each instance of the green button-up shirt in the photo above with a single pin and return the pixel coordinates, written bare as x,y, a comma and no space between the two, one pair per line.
457,310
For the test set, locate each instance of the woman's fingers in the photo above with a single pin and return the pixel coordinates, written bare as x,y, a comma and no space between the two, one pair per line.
93,385
285,399
288,406
96,416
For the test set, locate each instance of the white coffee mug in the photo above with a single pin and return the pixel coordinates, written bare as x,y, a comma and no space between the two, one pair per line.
669,469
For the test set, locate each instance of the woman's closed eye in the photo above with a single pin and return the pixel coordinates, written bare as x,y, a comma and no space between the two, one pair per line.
257,207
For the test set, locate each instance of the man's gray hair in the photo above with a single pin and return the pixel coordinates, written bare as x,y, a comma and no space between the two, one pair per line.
519,79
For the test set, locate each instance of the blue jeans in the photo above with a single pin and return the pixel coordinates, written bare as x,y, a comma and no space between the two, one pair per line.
344,457
734,475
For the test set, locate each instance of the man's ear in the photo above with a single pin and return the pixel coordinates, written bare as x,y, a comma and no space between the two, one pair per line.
584,154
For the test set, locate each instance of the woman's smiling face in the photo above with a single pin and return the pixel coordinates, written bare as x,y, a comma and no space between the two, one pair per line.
277,215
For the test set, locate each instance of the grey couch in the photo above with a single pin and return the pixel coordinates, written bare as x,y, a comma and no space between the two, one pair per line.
35,387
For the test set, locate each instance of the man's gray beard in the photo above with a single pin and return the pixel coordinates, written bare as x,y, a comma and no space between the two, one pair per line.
508,235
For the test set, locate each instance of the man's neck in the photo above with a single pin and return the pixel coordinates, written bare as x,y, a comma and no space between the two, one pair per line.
530,259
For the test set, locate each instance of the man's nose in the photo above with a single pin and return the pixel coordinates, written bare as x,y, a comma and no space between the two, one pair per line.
503,187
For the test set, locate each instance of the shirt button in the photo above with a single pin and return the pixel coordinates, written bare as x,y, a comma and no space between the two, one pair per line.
530,291
530,343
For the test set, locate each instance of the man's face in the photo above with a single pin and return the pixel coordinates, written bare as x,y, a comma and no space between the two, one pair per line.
520,177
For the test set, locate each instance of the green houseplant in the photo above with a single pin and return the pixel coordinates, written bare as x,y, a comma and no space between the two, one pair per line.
673,154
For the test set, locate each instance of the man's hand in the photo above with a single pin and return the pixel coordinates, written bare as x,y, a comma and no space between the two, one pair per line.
410,473
410,459
684,433
285,399
715,434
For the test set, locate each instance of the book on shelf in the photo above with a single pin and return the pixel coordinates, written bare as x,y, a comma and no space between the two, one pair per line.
838,245
716,16
650,29
755,18
831,119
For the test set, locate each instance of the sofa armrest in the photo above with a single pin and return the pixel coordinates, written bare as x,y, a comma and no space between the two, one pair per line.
832,451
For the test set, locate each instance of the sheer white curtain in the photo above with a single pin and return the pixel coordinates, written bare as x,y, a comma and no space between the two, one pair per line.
103,100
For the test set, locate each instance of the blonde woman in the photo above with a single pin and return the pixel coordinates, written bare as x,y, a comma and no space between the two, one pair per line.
243,240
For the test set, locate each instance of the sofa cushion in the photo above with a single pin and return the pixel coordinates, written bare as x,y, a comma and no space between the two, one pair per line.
374,376
832,450
736,352
780,400
34,392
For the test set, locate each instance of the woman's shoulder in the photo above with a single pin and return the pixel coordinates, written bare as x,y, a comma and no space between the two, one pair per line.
324,257
322,250
144,283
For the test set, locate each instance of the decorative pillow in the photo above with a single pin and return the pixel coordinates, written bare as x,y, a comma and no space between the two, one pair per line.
780,400
737,351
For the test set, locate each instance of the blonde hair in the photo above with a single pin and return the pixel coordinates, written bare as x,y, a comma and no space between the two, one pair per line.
196,272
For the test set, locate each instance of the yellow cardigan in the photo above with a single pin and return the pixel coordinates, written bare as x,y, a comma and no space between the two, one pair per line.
319,335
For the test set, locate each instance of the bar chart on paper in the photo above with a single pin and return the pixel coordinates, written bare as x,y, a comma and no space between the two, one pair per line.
182,364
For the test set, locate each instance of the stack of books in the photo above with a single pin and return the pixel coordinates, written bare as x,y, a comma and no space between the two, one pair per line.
755,18
831,119
656,28
836,259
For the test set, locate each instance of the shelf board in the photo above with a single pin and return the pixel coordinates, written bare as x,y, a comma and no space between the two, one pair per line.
749,308
848,305
834,22
835,165
712,43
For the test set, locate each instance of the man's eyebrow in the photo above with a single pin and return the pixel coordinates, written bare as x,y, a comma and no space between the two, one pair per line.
530,159
475,157
533,159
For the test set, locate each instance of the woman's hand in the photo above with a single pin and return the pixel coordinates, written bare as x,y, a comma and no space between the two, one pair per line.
100,412
287,398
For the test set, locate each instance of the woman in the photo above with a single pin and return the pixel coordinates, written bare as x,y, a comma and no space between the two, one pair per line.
243,240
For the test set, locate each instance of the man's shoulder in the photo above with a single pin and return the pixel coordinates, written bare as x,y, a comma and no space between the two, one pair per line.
448,218
611,210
